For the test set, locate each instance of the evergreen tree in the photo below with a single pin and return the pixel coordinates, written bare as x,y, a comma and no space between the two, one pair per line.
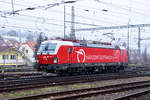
37,46
144,57
46,38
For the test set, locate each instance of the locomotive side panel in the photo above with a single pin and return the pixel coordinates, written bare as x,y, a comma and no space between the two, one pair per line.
62,55
95,55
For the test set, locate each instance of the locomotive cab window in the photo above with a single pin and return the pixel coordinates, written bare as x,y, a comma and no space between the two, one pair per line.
42,47
47,47
51,46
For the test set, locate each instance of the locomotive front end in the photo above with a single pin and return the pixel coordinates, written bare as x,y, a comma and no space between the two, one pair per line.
47,58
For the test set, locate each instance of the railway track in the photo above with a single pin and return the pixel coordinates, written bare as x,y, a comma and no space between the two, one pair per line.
7,86
88,92
18,75
136,95
28,69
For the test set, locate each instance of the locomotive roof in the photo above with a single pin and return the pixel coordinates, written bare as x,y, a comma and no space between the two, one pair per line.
70,43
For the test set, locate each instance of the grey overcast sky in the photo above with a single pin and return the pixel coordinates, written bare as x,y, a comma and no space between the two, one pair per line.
88,14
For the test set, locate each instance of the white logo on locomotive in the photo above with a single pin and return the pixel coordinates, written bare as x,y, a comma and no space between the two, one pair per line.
81,56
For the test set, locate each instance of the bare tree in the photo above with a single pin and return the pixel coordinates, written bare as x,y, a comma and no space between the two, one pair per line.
133,57
144,57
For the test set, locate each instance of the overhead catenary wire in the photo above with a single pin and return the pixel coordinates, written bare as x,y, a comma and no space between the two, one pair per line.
53,2
113,13
77,8
29,28
81,23
120,7
46,6
85,17
29,20
32,8
92,19
124,8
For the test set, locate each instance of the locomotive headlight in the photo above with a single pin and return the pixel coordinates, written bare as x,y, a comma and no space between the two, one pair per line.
55,60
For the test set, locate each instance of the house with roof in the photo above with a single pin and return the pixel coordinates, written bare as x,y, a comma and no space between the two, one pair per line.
10,56
28,50
10,42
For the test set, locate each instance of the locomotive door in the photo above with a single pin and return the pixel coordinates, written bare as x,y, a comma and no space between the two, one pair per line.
70,55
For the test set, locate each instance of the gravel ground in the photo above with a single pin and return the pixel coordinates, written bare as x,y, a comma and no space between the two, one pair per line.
71,87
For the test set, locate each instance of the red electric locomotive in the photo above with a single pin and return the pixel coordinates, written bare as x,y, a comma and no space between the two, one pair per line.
59,56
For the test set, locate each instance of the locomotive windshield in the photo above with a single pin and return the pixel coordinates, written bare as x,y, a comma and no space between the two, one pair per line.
41,47
47,47
51,46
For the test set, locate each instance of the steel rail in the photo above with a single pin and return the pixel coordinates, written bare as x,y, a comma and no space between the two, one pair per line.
87,92
134,95
20,85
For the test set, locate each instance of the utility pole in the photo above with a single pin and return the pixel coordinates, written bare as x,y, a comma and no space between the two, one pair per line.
12,4
128,41
72,1
64,21
139,43
72,34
